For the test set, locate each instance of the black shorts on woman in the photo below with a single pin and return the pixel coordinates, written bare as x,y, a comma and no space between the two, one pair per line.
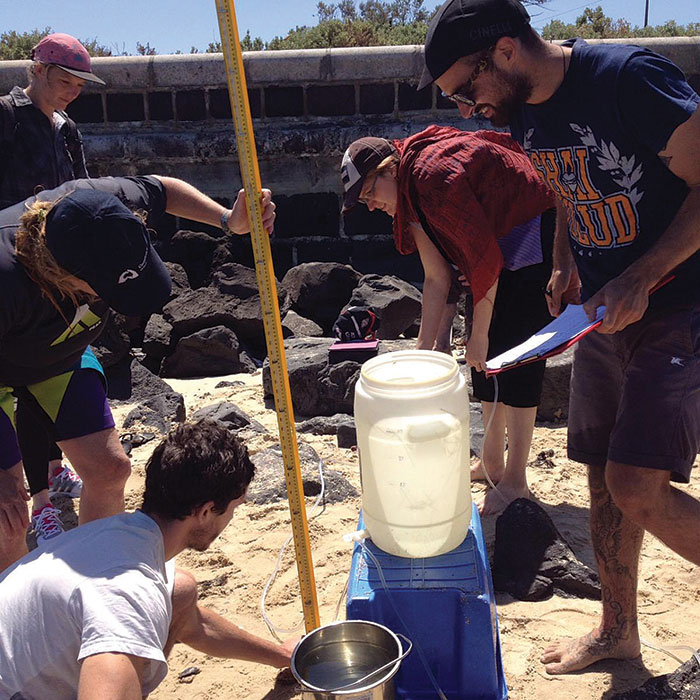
520,310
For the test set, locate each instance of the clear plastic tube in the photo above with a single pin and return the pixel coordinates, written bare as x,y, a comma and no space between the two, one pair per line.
421,653
486,432
667,650
276,631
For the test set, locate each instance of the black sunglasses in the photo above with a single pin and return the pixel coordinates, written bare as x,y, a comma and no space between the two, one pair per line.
461,95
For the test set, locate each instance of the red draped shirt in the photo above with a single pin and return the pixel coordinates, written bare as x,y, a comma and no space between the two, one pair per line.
472,188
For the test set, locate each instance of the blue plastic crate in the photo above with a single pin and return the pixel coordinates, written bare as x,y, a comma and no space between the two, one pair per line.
447,607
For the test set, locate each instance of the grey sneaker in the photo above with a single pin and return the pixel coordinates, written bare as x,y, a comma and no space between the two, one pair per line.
66,482
46,524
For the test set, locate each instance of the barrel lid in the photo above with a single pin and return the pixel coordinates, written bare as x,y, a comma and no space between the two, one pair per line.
409,368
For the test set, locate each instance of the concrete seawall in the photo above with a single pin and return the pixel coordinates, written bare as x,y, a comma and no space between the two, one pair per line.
171,115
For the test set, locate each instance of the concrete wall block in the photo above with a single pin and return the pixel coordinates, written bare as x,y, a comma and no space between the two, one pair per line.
378,255
190,105
172,71
284,101
160,106
87,109
195,70
13,73
283,256
125,107
324,65
360,221
297,156
216,144
410,98
220,103
125,73
316,214
324,250
377,98
150,145
330,100
104,147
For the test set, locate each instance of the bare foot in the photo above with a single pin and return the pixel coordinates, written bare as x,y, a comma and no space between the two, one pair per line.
478,473
495,502
446,348
569,655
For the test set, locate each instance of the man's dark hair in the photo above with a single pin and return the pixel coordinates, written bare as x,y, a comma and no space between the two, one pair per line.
196,463
530,38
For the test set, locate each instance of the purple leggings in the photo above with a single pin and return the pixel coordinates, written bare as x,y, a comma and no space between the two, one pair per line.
82,410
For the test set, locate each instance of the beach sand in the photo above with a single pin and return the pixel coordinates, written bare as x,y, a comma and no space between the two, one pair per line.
232,573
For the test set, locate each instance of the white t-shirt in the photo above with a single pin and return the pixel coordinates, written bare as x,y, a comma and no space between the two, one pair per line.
102,587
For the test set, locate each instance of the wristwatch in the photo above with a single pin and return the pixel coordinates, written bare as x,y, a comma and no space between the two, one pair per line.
225,216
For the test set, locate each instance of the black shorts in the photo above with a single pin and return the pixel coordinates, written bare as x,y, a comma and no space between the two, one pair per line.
519,311
635,394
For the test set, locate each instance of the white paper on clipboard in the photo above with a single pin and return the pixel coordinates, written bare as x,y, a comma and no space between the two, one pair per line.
557,334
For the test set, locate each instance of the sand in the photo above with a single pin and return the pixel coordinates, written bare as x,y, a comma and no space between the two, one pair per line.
233,572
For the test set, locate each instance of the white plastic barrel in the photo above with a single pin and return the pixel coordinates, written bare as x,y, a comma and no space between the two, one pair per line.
412,419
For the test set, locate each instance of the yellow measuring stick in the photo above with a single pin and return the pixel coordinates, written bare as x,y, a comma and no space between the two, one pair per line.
250,173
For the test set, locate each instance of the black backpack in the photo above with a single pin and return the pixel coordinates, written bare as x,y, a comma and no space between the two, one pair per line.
9,124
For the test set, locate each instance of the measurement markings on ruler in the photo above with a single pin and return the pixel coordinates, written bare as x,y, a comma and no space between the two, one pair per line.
264,271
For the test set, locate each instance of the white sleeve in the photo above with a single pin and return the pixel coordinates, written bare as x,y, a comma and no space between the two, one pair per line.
128,613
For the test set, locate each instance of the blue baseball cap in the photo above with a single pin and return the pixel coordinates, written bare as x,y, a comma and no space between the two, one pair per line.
97,238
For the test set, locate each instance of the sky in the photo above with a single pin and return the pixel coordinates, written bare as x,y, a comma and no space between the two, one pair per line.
169,25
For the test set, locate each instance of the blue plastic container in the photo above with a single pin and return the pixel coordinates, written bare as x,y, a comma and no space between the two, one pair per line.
446,607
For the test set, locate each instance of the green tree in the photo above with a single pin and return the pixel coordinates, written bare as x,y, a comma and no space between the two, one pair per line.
146,50
15,46
369,23
95,49
248,44
595,24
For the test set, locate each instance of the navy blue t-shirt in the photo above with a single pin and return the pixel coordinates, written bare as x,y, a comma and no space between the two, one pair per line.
595,142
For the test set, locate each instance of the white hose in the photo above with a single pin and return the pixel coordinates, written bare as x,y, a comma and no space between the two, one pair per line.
421,654
486,432
276,631
667,650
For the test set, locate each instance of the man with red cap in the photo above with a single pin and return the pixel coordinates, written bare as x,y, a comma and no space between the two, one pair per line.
41,148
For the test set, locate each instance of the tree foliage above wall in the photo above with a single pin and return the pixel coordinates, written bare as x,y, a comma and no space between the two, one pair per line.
368,23
594,24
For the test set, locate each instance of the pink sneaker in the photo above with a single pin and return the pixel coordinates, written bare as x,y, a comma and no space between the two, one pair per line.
46,524
65,482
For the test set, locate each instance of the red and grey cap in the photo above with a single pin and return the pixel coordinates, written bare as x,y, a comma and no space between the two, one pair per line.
463,27
94,236
66,52
360,158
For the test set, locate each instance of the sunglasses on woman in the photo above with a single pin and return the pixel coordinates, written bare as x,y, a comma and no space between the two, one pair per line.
363,199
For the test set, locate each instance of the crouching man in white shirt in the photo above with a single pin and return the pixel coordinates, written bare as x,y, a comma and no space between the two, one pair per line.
95,614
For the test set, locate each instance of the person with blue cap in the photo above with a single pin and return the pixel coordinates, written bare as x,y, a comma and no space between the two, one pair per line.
41,148
67,257
614,131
